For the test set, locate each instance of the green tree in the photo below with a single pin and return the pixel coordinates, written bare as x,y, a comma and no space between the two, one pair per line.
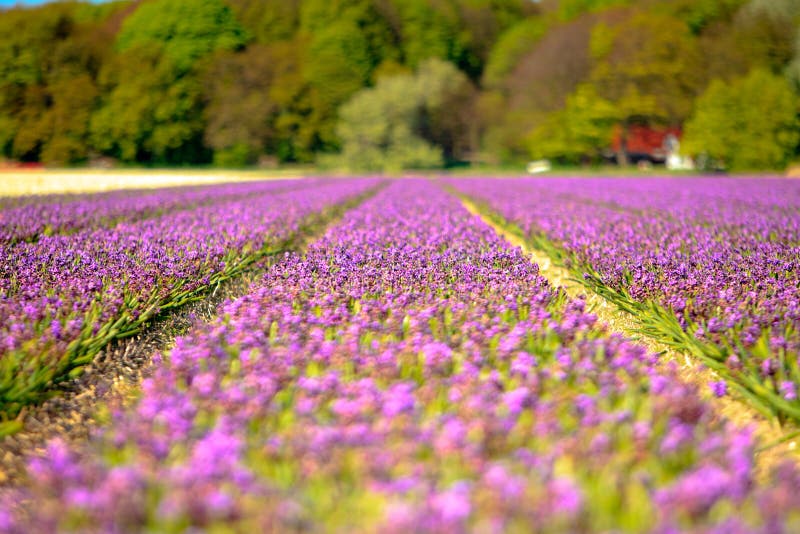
345,40
49,58
73,100
268,21
186,30
510,48
448,99
149,113
647,65
571,9
577,133
748,124
408,121
699,15
427,31
460,31
537,86
32,127
378,126
238,105
766,30
257,102
28,39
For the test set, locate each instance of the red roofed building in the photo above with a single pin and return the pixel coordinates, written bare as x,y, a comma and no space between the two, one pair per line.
645,143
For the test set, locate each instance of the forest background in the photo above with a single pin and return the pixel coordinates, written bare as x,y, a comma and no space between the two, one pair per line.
375,85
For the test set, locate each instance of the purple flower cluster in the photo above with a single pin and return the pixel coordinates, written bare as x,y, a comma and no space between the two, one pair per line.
411,373
721,256
63,297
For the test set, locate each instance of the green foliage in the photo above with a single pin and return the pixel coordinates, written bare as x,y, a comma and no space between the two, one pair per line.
186,30
749,124
700,14
346,40
448,99
68,120
768,31
149,114
239,107
377,128
8,129
510,47
339,61
28,38
84,12
401,122
647,66
235,156
570,9
427,31
581,130
268,22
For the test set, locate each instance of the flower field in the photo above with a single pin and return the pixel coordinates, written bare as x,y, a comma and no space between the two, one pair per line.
65,296
707,266
409,370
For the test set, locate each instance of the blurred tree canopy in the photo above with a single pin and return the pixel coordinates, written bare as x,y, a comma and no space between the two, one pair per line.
407,120
728,127
237,82
185,30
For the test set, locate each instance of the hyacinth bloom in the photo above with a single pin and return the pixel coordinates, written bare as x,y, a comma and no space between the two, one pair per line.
64,296
718,257
411,372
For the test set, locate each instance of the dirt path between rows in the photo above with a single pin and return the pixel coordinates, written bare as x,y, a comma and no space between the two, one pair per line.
727,407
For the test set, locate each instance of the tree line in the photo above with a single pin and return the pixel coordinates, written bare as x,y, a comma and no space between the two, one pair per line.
393,84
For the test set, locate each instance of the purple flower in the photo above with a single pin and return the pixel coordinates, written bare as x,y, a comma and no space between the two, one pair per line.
516,400
566,497
788,390
719,388
452,506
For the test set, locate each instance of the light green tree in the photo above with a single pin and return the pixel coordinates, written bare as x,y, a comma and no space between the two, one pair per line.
378,128
68,120
407,121
751,123
152,109
578,132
